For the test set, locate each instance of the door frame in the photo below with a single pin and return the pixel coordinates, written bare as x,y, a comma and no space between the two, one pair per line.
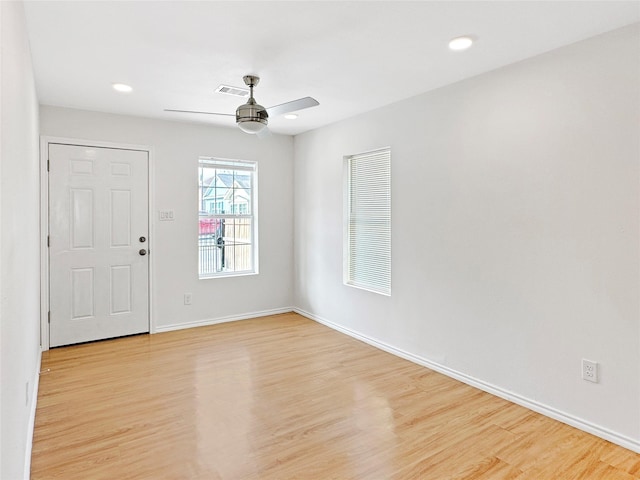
44,223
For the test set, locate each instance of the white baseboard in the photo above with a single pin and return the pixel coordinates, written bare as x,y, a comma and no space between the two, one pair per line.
215,321
32,416
614,437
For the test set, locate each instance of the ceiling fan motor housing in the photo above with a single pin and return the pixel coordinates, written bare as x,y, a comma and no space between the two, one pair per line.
251,112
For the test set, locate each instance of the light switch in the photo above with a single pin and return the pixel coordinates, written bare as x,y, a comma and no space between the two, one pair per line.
166,215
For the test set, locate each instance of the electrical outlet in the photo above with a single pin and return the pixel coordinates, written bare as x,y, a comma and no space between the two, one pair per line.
187,299
589,371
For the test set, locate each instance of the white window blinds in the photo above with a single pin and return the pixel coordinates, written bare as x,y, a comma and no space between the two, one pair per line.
368,221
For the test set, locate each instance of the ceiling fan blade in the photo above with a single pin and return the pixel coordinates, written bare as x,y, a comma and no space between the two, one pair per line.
193,111
293,106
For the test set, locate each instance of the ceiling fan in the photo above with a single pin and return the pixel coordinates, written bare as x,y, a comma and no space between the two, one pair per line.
252,117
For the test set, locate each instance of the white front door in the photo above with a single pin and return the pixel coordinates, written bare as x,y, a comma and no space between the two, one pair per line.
98,243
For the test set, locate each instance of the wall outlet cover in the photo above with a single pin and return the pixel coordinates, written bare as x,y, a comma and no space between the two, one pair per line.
589,371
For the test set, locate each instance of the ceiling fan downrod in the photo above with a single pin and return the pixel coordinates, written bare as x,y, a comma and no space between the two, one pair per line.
251,117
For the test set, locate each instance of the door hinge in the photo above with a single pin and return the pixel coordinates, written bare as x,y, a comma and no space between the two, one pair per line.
48,241
48,165
49,317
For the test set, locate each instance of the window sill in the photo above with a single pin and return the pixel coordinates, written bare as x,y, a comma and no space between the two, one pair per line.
226,275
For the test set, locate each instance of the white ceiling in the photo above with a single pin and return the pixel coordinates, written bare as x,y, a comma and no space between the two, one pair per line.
351,56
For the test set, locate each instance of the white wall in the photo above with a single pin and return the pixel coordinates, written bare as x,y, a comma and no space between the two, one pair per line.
19,242
176,149
515,229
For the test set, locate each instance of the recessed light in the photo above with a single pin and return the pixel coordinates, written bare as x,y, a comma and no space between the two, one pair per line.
291,116
122,88
460,43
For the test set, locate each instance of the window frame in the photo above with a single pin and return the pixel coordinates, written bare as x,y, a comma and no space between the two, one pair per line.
350,277
250,166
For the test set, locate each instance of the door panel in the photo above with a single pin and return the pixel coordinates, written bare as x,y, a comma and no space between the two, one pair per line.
98,210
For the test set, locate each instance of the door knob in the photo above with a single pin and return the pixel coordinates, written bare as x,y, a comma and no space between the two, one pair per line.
142,251
142,239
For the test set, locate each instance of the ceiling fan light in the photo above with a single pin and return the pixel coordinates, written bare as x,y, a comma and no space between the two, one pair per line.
252,126
251,117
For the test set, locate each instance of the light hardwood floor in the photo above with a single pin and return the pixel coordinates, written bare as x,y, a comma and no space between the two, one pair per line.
283,397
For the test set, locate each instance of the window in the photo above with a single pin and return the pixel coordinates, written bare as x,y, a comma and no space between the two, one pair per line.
227,199
367,246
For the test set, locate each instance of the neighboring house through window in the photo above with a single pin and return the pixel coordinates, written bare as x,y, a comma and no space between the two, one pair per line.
227,199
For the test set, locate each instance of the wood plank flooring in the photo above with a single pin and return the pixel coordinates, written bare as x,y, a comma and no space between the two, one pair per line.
283,397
